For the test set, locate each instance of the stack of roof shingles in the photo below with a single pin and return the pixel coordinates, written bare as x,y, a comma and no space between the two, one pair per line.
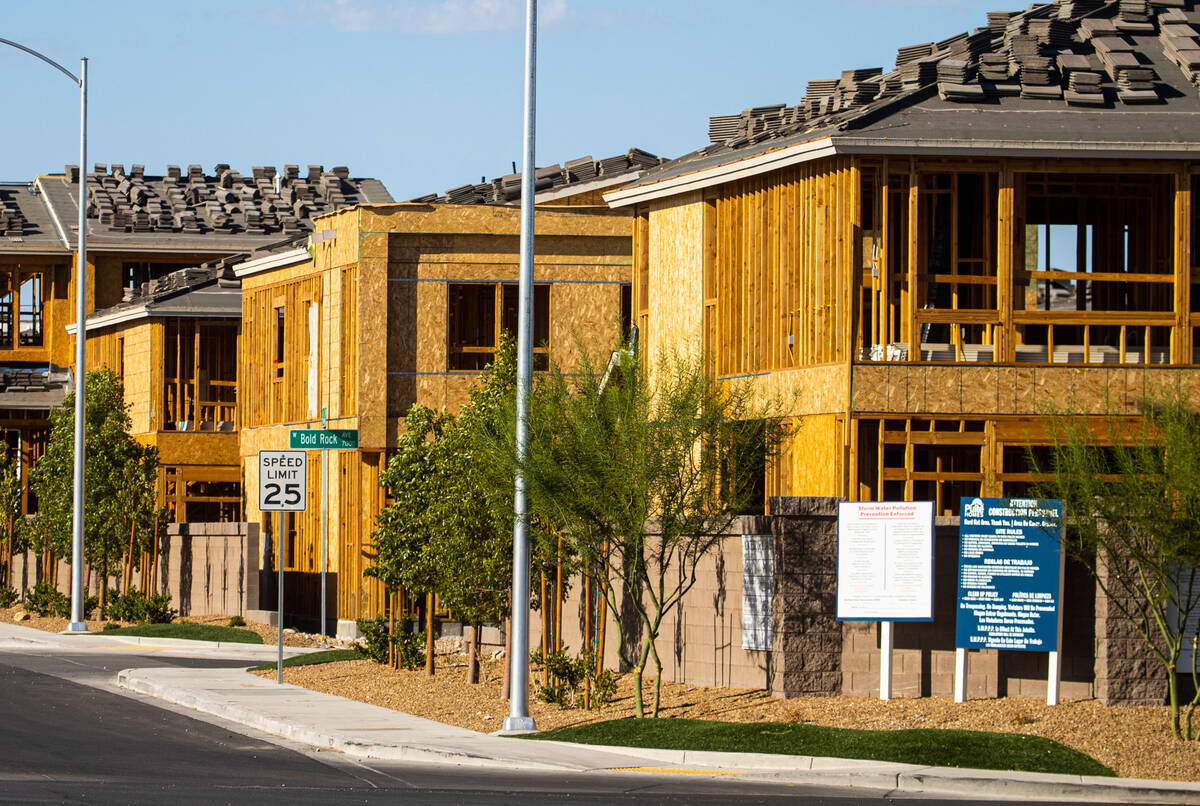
13,223
1077,50
507,189
225,202
1178,37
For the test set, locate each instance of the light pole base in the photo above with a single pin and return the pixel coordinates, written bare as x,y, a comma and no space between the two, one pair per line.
76,626
523,724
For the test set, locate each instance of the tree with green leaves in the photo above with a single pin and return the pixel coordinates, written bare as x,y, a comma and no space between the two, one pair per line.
646,473
448,531
1131,494
119,480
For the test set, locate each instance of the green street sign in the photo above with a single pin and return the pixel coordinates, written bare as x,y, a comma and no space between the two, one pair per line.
323,439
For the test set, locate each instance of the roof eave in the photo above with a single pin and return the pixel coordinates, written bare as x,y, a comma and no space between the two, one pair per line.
870,146
278,260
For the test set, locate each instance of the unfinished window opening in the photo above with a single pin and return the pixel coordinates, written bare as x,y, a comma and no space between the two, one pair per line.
199,376
212,501
1098,273
30,301
957,298
6,309
280,343
480,312
938,460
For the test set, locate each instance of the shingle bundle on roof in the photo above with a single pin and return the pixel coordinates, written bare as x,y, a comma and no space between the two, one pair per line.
507,189
226,201
1077,50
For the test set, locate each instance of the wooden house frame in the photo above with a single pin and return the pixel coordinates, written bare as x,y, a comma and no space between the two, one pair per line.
361,325
886,267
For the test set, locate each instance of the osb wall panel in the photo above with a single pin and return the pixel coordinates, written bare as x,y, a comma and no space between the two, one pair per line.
676,275
196,447
584,316
373,352
485,220
127,350
1005,390
811,460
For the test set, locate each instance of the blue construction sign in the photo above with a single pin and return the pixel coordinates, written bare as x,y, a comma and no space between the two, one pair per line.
1009,574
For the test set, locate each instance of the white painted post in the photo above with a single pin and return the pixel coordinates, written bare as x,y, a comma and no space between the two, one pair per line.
960,675
885,660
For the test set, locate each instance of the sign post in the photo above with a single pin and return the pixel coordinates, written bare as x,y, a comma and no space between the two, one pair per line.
282,487
323,439
1010,580
885,569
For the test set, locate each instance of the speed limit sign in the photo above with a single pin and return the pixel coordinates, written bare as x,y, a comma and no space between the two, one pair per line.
282,481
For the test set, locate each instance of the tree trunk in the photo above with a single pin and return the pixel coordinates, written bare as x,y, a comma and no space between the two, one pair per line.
429,644
393,654
473,659
103,585
657,680
127,579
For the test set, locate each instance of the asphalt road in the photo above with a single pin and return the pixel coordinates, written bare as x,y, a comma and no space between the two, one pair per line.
66,735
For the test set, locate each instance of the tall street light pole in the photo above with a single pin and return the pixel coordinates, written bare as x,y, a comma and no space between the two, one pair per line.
518,691
77,623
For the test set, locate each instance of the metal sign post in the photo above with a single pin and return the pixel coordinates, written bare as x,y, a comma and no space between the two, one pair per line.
323,440
282,487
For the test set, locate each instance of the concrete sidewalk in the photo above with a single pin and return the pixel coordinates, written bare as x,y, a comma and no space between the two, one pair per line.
369,731
14,636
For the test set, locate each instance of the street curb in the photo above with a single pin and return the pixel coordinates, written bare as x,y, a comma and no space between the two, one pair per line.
128,679
890,777
918,779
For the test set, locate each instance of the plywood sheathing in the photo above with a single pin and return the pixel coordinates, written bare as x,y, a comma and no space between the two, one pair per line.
999,391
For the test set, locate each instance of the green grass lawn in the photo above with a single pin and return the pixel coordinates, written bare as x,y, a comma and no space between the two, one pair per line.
939,748
325,656
192,632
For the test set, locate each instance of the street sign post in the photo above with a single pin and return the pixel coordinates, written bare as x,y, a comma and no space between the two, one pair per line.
323,439
282,487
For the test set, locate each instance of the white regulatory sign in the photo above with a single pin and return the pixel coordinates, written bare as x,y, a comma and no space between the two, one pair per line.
282,481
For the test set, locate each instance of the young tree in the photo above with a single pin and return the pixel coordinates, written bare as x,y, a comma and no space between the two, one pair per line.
1131,495
10,501
119,478
447,531
646,478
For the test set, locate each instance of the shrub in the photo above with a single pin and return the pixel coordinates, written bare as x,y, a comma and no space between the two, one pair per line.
237,621
567,678
139,608
111,625
411,647
43,599
374,643
8,595
376,640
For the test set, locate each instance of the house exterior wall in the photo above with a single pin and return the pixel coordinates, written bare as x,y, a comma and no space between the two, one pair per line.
380,277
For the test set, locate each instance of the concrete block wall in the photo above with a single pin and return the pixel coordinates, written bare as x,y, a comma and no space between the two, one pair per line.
211,568
208,568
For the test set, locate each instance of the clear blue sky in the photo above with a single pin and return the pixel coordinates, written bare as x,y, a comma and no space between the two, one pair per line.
423,94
